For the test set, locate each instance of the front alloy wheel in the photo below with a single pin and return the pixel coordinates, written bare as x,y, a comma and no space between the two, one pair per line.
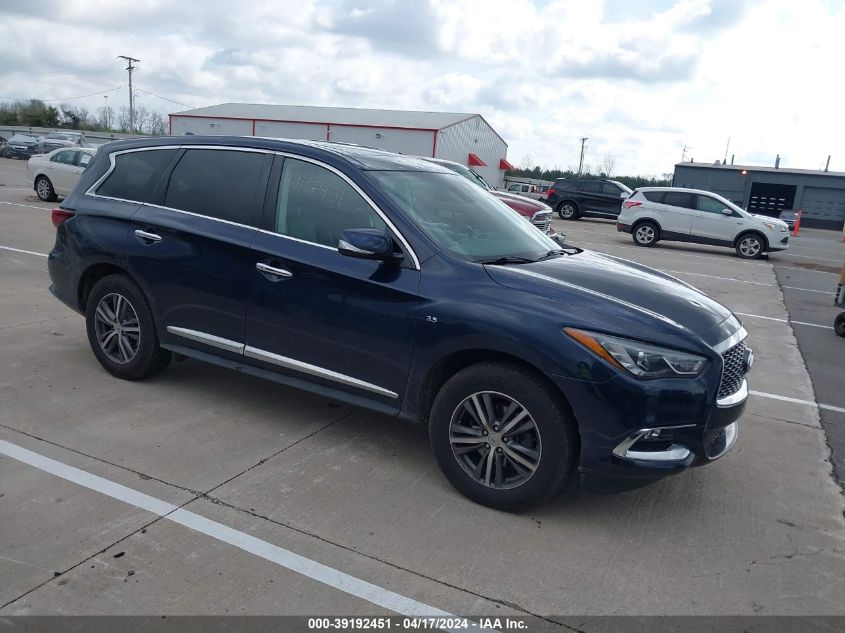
495,440
750,247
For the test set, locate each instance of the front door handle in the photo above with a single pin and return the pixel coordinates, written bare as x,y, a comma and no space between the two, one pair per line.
144,235
271,270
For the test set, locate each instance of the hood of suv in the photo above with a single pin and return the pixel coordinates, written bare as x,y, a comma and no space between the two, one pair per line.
602,283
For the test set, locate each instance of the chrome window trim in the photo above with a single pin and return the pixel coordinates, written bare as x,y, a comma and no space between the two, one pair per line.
208,339
91,191
736,337
735,398
314,370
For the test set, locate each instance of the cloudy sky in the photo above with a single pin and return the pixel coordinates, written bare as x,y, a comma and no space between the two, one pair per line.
641,79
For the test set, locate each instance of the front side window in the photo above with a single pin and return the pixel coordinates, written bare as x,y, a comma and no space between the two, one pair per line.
135,174
710,205
462,218
316,205
220,183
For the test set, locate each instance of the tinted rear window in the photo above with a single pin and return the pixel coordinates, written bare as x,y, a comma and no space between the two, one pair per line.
223,184
135,174
679,199
654,196
591,187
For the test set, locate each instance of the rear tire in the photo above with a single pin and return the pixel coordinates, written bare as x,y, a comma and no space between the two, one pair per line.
44,189
839,324
645,234
750,246
480,458
568,210
121,329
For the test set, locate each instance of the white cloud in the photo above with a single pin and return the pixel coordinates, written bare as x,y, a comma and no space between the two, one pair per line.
638,81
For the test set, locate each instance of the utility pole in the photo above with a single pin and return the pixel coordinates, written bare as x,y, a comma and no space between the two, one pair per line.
129,69
581,162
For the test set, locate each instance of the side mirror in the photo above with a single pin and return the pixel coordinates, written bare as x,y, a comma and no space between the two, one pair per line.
727,212
367,244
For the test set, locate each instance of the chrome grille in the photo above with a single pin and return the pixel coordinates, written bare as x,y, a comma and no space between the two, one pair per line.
542,220
733,372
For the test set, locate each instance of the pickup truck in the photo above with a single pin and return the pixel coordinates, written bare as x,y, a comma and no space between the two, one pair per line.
537,192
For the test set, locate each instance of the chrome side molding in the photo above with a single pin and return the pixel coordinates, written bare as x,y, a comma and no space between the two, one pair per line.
208,339
314,370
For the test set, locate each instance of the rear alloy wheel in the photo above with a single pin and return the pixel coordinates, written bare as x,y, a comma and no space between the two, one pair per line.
645,234
121,330
44,189
501,436
749,247
567,211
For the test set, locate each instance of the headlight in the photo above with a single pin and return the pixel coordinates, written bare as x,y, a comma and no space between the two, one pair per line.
640,359
775,227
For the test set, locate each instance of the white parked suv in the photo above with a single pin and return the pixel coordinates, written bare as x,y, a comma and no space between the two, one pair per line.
651,214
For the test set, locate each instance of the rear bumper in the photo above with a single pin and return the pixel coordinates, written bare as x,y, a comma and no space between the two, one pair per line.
622,227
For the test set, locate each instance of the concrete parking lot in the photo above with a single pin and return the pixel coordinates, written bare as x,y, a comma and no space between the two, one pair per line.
207,491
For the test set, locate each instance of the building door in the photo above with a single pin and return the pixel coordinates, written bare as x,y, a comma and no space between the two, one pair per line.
770,199
824,207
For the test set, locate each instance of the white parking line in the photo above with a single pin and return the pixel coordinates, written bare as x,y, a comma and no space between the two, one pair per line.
828,407
26,206
745,281
20,250
804,270
243,541
758,316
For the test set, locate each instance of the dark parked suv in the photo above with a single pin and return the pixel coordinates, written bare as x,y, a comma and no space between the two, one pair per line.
573,198
394,284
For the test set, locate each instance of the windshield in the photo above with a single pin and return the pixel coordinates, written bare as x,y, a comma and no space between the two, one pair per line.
480,179
61,137
462,218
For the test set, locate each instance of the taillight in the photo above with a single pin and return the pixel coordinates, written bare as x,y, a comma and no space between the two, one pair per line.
550,193
631,203
60,216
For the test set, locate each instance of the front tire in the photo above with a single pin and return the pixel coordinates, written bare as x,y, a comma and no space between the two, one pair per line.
750,246
502,437
645,234
567,210
44,189
121,329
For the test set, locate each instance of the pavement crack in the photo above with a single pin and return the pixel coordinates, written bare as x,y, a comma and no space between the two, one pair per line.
418,574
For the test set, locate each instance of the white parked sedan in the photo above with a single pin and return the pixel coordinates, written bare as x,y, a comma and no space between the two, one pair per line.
651,214
56,174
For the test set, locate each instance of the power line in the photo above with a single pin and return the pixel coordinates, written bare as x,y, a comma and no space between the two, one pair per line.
93,94
160,97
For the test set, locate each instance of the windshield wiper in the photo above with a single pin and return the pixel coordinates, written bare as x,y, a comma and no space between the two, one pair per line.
560,251
499,261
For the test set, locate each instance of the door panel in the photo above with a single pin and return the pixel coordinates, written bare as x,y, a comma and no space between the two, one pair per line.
195,274
675,215
591,197
338,314
63,171
348,322
709,224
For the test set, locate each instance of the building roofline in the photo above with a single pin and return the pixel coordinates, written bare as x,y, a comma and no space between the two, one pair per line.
762,168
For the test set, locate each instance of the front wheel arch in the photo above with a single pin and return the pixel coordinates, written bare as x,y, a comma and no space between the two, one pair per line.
755,233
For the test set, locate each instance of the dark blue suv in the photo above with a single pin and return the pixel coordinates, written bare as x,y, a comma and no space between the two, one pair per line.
394,284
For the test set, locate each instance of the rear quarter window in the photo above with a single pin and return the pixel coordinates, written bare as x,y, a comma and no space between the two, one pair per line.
136,174
654,196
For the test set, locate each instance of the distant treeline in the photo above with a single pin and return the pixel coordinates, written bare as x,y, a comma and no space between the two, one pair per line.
665,180
35,113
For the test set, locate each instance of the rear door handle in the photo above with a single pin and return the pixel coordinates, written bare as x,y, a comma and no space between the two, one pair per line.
144,235
271,270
